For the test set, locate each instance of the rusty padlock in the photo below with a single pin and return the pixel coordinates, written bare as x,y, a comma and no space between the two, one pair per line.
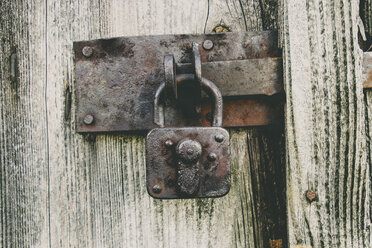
188,162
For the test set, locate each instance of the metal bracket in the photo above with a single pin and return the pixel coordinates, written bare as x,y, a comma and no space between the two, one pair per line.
116,79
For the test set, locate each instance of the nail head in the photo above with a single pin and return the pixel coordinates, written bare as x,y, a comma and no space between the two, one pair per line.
87,51
168,143
88,119
219,138
208,44
156,189
311,196
212,157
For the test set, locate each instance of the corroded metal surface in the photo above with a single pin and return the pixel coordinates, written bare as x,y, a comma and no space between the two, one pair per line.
170,175
367,70
258,111
116,83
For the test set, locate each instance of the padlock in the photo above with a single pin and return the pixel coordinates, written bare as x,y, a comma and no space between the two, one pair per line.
188,162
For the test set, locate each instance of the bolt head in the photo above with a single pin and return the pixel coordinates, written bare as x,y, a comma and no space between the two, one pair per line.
212,157
219,137
87,51
188,150
88,119
311,196
208,44
156,189
168,144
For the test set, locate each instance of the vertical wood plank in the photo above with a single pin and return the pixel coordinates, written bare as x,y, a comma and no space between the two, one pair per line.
326,137
24,159
73,157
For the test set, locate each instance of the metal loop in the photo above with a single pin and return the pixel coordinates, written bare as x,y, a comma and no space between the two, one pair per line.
209,87
197,62
170,76
170,71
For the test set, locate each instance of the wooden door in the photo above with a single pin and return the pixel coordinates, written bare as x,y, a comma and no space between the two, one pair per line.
63,189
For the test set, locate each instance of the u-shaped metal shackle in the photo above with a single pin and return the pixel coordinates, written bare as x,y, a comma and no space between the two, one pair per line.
208,86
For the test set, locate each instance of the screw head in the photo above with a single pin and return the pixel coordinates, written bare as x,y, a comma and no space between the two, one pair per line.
219,138
88,119
212,157
87,51
311,196
188,150
208,44
168,144
156,189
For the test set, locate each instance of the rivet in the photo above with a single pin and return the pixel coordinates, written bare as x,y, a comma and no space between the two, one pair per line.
219,138
188,150
168,143
208,44
88,119
87,51
212,157
311,196
156,189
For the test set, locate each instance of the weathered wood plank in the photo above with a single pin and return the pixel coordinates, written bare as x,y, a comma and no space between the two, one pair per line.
62,189
326,126
73,158
23,129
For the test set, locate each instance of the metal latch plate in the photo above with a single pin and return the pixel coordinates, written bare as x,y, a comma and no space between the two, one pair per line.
161,162
116,79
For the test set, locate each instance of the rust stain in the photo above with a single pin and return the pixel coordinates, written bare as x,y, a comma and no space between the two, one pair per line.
246,112
221,28
368,71
276,243
368,83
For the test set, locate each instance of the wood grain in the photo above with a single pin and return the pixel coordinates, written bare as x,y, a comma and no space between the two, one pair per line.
326,125
366,15
62,189
24,155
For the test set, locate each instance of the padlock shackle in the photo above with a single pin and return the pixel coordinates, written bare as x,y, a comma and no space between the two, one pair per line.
208,86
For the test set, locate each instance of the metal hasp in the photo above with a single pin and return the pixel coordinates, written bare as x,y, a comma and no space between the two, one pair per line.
116,80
